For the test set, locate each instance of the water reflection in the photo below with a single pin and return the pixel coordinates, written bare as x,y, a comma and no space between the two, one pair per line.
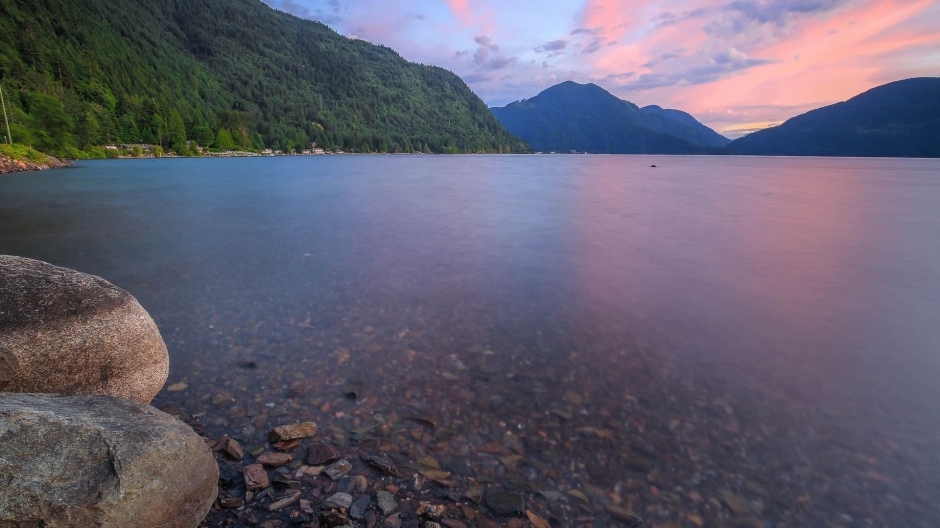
719,340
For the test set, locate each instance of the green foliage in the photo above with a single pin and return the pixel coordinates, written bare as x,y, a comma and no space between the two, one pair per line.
203,136
224,140
157,151
137,152
111,153
50,126
263,76
20,152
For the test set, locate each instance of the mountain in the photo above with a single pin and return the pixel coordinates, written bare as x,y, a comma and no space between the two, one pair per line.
898,119
224,72
683,125
587,118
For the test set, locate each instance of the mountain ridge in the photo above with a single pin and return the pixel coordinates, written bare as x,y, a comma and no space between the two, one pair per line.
586,118
897,119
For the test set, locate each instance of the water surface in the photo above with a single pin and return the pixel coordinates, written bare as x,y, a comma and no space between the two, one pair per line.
714,327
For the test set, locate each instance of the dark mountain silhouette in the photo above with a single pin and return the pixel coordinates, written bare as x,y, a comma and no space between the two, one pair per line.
587,118
898,119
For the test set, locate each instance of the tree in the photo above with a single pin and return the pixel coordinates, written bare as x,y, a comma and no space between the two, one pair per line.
203,136
51,126
128,129
224,140
88,130
176,132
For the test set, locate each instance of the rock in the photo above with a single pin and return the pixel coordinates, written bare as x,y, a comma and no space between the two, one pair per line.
288,499
486,522
505,503
66,332
453,523
274,460
340,501
736,503
433,511
624,516
338,470
359,507
319,454
137,466
292,432
232,502
386,502
256,478
361,483
747,522
232,448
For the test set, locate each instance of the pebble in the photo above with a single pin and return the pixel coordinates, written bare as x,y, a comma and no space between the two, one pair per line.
232,448
320,454
274,460
256,478
386,502
624,516
292,432
339,501
338,470
290,498
359,507
504,503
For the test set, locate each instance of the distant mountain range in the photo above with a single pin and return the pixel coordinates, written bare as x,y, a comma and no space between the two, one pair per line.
586,118
898,119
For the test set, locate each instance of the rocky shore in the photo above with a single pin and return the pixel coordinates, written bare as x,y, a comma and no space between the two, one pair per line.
9,165
80,360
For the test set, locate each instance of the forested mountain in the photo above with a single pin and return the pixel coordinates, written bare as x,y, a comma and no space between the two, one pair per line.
223,73
587,118
899,119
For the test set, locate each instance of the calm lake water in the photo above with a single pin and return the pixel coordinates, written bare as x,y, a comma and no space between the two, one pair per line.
734,341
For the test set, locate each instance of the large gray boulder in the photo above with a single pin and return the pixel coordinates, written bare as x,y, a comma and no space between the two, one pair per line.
67,332
98,461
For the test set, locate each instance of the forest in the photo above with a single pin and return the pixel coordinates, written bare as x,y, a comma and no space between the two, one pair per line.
222,74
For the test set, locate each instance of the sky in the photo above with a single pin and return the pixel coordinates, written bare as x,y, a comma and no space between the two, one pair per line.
736,65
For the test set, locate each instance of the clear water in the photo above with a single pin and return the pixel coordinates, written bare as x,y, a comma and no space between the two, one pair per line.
765,328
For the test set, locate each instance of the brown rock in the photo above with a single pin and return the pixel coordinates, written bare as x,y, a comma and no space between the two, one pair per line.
138,466
486,522
453,523
232,448
256,478
292,432
320,454
66,332
232,502
274,459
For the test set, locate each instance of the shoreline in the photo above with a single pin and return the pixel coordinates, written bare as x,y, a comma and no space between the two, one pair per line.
10,165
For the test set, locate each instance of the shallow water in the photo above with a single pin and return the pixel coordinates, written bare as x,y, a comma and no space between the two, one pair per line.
665,339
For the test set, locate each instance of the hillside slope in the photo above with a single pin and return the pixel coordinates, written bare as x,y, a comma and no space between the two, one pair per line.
899,119
587,118
129,71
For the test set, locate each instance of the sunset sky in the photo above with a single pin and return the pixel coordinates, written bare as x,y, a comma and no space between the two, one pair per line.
736,65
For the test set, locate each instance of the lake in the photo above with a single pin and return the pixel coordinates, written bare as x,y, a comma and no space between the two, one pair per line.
718,341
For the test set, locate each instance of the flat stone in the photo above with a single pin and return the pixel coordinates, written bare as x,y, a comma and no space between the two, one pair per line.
340,501
505,503
320,454
338,470
386,502
256,478
453,523
359,507
626,517
67,332
736,503
285,501
138,466
274,460
232,448
232,502
297,431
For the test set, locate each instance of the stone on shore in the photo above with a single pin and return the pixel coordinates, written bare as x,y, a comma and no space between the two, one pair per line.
67,332
99,461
